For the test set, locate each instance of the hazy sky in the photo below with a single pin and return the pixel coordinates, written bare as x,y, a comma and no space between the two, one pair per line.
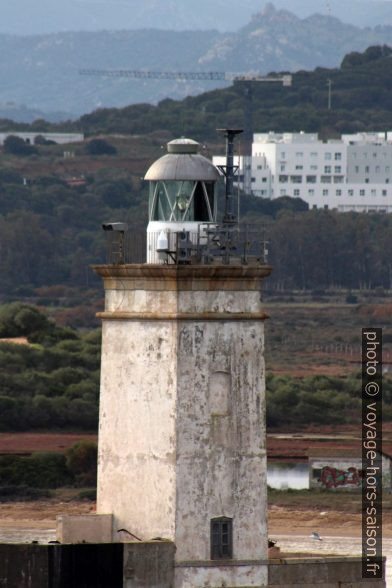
44,16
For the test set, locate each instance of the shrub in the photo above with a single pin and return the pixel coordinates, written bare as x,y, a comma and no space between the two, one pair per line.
82,463
40,470
18,319
9,493
16,146
351,299
100,147
90,494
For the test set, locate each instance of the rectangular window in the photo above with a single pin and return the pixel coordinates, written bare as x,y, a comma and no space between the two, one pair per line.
299,167
313,154
338,169
384,192
366,169
357,169
327,156
338,156
299,154
351,192
282,168
296,179
327,169
374,154
296,192
264,180
311,192
338,179
338,192
316,473
325,192
326,179
259,167
362,192
311,179
283,179
283,155
221,538
373,193
283,192
313,167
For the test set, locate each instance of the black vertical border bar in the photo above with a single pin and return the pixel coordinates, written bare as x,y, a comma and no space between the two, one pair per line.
372,565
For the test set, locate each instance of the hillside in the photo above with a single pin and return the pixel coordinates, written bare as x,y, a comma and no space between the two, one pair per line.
361,100
42,71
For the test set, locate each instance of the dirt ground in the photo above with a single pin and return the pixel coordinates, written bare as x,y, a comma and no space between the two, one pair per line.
287,521
42,514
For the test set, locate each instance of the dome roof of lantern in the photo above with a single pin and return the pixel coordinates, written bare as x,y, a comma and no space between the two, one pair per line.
183,162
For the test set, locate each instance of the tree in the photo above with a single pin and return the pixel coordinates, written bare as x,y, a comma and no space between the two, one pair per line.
16,146
100,147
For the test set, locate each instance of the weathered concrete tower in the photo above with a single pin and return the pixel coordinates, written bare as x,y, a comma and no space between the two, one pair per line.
182,409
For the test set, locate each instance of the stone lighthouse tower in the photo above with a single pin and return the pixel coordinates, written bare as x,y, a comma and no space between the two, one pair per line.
182,408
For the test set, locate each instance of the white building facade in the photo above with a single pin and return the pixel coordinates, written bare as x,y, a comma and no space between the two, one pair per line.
352,173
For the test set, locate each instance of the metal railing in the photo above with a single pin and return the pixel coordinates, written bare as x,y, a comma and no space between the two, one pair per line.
212,244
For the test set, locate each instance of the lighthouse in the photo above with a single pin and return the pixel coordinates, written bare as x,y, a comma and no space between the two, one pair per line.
182,452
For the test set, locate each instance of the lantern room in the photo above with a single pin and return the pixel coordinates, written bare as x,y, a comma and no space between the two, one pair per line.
182,193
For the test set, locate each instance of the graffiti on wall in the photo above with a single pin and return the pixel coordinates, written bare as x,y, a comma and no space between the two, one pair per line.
333,478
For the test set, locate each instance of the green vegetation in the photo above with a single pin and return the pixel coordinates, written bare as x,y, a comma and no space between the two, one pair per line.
319,400
78,467
50,231
19,492
100,147
54,384
16,146
81,460
50,234
51,384
40,470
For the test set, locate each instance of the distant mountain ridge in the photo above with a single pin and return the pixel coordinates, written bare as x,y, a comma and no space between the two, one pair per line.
26,17
42,71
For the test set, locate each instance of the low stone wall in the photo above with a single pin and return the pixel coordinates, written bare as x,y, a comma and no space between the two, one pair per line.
149,564
61,566
326,572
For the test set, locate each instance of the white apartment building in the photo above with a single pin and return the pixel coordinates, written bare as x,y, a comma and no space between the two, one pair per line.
352,173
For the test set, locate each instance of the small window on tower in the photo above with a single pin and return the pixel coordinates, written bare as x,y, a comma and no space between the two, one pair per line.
221,538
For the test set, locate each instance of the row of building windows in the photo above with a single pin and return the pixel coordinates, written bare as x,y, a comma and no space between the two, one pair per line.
327,168
284,179
365,154
327,155
377,169
337,156
327,192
